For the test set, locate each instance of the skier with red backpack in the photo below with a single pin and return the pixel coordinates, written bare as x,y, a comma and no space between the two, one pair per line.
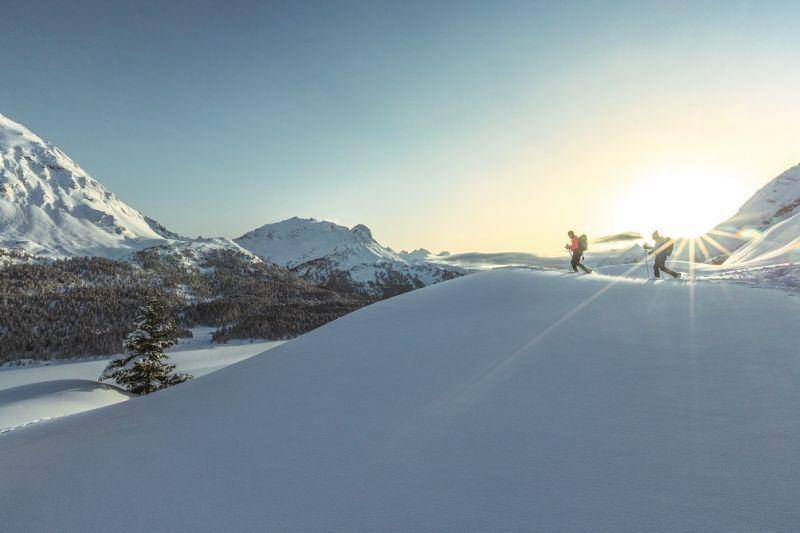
577,245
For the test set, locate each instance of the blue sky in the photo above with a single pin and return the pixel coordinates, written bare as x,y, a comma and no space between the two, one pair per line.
458,125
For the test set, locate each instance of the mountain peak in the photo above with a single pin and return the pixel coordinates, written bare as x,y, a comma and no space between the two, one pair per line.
14,134
327,253
776,201
362,231
51,206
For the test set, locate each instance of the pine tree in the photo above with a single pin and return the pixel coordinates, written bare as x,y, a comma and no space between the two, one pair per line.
145,369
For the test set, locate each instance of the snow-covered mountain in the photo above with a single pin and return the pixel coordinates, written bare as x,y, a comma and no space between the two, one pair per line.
770,220
330,254
418,256
776,202
780,243
51,206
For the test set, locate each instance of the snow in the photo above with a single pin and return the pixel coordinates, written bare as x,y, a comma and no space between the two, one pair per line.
50,206
315,247
774,203
507,400
192,252
296,241
779,244
31,403
418,256
28,395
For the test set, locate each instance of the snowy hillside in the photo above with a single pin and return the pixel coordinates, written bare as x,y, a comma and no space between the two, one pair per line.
50,206
36,402
44,391
194,253
771,221
331,254
774,203
780,243
504,401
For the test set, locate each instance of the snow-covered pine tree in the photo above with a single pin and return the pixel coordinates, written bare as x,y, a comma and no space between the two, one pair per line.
145,369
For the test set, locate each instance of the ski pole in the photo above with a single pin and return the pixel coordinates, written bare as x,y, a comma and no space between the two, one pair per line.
646,265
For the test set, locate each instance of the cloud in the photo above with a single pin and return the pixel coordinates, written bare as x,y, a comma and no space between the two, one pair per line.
618,237
481,260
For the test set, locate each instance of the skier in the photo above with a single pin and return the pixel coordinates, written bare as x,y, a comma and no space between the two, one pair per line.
577,245
662,247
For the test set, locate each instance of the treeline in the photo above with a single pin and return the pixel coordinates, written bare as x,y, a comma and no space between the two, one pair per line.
85,306
261,300
67,308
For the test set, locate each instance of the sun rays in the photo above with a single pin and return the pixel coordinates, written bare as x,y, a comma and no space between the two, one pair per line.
707,248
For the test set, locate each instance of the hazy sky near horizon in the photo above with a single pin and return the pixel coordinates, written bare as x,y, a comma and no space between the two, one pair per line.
486,126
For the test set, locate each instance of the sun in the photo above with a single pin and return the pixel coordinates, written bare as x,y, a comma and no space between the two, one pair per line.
681,203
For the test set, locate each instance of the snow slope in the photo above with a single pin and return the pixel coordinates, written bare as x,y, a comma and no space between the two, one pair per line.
778,244
43,392
50,206
774,203
296,241
768,224
510,400
321,251
26,404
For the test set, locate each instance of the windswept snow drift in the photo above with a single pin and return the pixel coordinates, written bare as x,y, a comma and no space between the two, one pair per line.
507,400
26,404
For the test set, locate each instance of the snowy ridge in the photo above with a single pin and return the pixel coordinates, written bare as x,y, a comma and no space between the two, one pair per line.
296,241
771,222
192,252
418,256
779,244
774,203
324,252
50,206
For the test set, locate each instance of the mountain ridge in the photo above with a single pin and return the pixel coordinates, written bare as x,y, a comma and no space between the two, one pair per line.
49,205
330,254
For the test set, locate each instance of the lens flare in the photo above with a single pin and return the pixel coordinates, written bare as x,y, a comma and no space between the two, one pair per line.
748,233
